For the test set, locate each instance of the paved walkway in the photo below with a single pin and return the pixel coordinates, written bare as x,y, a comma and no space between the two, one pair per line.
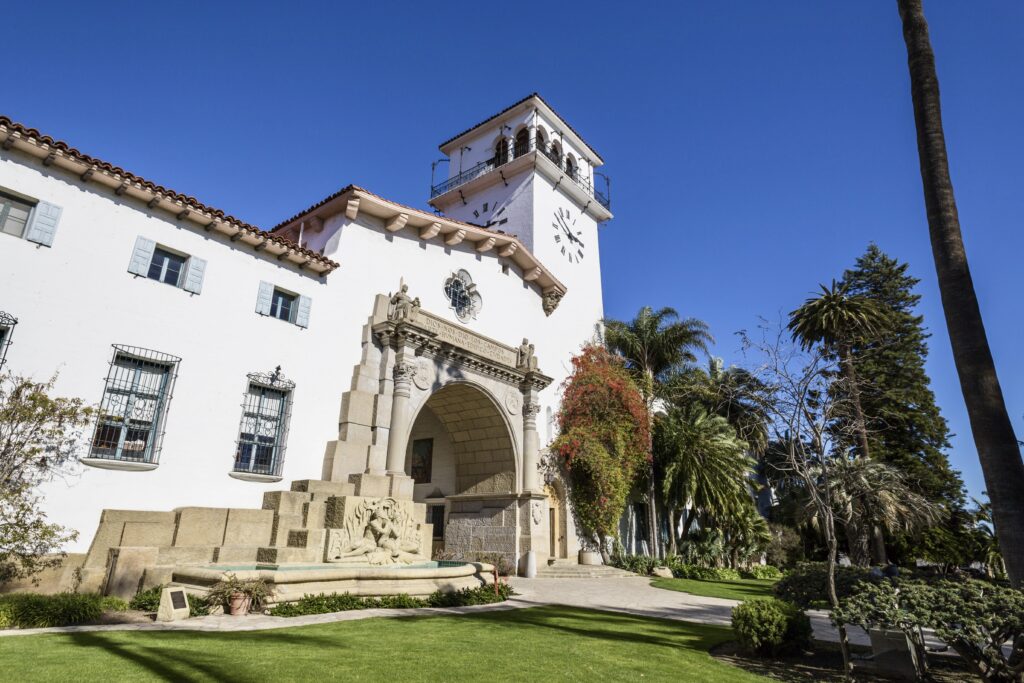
633,595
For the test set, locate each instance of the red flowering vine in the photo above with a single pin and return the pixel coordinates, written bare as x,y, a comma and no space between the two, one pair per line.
604,439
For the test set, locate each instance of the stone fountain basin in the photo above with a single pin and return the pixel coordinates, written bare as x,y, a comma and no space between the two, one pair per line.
289,582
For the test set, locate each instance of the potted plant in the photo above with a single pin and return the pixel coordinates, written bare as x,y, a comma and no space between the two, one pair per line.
239,597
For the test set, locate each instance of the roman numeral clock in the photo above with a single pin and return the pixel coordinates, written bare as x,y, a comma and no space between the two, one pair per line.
568,239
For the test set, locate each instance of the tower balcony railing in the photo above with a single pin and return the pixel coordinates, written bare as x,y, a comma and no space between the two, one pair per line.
520,149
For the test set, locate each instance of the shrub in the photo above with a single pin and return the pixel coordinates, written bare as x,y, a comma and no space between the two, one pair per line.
199,606
691,571
484,595
110,603
147,600
341,602
806,585
770,627
29,610
638,564
761,571
982,622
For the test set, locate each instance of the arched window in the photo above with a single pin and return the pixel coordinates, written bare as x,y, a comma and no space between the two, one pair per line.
555,154
522,143
570,166
541,143
501,152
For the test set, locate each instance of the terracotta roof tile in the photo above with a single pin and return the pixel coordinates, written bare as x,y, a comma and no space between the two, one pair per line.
32,133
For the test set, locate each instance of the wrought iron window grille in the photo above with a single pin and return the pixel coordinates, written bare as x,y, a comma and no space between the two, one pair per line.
263,430
132,413
7,323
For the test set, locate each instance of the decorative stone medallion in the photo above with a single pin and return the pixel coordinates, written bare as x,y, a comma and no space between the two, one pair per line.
422,378
513,401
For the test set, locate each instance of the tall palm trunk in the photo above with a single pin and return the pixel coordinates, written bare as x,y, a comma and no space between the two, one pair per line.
652,501
850,373
861,428
990,424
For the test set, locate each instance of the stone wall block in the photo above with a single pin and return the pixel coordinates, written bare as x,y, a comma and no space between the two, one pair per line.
286,502
127,566
319,486
200,526
249,527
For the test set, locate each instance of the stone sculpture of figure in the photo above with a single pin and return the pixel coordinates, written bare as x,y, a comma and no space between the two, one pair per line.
403,306
389,528
524,356
378,533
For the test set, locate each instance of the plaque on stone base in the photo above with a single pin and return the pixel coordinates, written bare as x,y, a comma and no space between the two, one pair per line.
173,604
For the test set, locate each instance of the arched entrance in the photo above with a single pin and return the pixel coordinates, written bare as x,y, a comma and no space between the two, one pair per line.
461,457
448,418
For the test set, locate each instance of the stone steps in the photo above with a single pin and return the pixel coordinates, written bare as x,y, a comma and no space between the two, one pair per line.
581,571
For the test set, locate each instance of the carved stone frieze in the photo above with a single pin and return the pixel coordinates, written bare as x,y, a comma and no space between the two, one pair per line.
378,531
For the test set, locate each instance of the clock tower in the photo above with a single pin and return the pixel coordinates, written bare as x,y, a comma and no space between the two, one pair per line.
527,172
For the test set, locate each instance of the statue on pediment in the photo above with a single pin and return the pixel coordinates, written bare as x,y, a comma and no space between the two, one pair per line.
403,307
525,358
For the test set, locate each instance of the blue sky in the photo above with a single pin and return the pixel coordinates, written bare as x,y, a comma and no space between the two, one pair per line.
755,148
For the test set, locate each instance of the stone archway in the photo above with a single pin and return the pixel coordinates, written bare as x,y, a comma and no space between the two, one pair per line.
461,456
478,397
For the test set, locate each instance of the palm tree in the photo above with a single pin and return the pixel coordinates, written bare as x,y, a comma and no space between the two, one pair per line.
870,494
652,344
734,393
837,320
705,467
994,438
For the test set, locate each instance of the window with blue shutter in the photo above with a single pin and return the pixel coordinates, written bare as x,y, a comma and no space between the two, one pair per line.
284,305
302,312
160,263
142,256
44,223
194,275
24,217
264,298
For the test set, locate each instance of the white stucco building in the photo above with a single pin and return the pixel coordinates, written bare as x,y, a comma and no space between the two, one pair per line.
224,358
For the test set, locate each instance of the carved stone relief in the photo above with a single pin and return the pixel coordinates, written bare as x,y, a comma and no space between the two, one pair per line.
513,401
378,532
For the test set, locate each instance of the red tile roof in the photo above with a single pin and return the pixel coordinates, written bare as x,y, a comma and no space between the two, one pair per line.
13,127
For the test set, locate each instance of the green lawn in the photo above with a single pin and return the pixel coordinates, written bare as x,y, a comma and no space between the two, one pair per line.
741,589
537,644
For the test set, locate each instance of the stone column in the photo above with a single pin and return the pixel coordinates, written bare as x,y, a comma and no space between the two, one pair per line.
531,442
398,435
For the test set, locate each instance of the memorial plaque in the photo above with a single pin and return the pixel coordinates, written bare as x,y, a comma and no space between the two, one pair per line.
173,604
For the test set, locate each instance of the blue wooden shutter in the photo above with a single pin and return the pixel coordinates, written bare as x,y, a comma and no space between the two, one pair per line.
194,273
302,314
45,218
264,298
142,256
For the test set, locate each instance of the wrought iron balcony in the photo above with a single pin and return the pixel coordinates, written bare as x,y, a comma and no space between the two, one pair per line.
550,151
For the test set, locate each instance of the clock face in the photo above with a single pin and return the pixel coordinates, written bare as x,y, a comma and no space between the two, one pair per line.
490,214
568,238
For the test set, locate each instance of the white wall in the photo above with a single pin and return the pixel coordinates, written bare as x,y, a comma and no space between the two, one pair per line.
76,299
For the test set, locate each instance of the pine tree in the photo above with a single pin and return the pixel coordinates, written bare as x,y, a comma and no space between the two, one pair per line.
906,427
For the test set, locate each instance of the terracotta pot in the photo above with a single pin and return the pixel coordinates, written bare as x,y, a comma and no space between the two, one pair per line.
590,557
239,605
